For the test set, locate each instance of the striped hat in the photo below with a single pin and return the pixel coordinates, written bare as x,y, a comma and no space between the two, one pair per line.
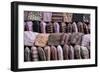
34,53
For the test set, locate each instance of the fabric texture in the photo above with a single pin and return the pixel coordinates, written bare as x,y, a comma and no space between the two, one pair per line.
59,52
77,52
66,52
53,53
47,16
56,27
63,27
76,38
34,54
86,29
26,15
54,39
57,17
33,15
47,51
77,17
86,17
36,26
69,28
65,38
80,27
84,52
29,38
41,53
86,41
41,40
74,27
27,54
49,28
67,17
29,26
71,52
43,27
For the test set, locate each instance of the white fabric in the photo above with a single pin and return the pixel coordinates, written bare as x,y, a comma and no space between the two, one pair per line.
86,40
56,27
60,52
75,27
29,38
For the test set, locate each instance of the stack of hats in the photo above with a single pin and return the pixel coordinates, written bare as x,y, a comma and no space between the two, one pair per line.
56,36
57,46
47,53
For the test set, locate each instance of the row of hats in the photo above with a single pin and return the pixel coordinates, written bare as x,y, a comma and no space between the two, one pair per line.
42,39
56,27
47,53
56,16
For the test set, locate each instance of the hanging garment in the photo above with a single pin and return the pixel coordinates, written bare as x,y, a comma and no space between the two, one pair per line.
47,16
34,54
36,26
71,52
77,17
65,52
74,27
67,17
47,51
54,39
84,52
80,27
43,27
86,17
86,41
86,29
29,38
65,38
29,26
77,52
49,28
27,54
63,27
34,15
59,52
76,38
53,53
41,54
41,40
56,27
69,28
